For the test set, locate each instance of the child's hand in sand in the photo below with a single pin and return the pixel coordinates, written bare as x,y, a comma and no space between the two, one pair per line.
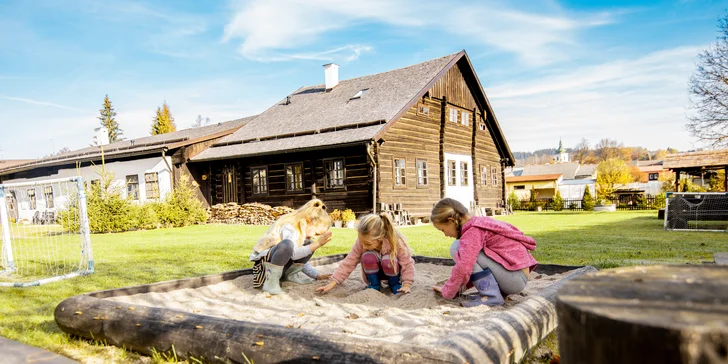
324,239
323,277
406,288
437,289
327,287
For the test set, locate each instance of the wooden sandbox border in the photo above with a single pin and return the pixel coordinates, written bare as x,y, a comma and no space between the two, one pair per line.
144,329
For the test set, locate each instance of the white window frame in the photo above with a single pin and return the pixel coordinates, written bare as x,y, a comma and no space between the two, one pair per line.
494,175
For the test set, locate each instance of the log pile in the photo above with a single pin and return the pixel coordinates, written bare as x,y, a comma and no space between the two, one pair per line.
247,214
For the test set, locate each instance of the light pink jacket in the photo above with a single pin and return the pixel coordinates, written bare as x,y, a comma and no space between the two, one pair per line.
499,240
406,268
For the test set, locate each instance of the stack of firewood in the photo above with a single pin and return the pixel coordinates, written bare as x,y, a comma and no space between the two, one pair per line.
248,214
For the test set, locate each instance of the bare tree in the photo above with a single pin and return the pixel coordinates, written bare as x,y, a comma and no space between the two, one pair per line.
709,92
581,151
200,121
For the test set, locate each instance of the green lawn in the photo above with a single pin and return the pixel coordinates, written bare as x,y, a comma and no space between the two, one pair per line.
572,238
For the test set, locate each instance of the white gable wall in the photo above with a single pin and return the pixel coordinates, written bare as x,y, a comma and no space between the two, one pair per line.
89,173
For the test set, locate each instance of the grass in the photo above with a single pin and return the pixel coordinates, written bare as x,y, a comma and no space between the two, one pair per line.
603,240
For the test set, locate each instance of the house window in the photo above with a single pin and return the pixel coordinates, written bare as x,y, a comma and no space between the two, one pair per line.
399,172
132,187
294,177
484,175
31,198
452,173
494,175
151,185
334,173
423,110
654,176
48,193
519,187
482,126
463,173
453,115
465,118
260,180
421,172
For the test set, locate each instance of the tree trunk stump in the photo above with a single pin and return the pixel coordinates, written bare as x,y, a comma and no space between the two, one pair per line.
657,314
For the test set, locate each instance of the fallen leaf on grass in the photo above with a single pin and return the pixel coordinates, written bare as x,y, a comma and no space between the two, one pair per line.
301,314
446,313
179,316
289,326
259,343
131,308
316,357
78,313
118,307
198,327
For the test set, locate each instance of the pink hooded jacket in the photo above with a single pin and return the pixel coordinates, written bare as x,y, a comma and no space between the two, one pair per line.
406,268
499,240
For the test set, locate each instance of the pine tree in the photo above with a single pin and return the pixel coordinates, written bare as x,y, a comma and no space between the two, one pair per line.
163,122
587,202
558,203
108,121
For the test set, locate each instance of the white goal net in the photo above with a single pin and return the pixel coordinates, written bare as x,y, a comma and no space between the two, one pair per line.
696,211
45,235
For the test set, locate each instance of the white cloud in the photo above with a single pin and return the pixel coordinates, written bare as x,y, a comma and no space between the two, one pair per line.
640,101
273,30
41,103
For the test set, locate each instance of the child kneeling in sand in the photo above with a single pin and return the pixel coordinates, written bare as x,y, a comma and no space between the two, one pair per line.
287,246
383,253
489,254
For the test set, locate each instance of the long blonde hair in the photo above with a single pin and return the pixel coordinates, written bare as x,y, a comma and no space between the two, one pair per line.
312,213
447,209
377,227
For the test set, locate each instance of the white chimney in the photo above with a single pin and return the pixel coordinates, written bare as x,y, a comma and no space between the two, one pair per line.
101,136
331,71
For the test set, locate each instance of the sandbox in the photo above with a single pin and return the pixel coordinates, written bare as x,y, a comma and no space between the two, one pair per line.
222,316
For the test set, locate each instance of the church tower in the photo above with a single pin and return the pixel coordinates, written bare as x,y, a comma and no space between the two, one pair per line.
561,155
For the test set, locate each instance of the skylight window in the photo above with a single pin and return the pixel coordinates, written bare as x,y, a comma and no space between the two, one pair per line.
360,94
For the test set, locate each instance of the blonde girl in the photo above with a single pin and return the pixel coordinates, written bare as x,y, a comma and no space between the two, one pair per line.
284,250
383,254
489,254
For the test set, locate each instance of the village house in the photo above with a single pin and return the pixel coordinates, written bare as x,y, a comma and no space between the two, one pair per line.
144,168
401,139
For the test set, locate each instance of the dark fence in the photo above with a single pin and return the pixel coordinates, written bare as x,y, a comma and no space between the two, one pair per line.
631,203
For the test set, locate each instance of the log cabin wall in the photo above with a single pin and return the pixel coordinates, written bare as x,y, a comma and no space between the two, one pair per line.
355,194
199,174
417,136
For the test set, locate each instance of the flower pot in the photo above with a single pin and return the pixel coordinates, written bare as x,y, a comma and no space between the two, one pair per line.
606,208
539,208
350,224
337,224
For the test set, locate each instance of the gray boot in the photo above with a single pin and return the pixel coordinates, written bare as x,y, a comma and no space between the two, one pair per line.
272,283
488,291
293,276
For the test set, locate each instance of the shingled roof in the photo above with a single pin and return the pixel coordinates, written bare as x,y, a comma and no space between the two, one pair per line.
313,117
695,160
129,147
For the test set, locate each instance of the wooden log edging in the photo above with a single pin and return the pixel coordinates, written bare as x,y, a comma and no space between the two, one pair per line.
508,336
653,314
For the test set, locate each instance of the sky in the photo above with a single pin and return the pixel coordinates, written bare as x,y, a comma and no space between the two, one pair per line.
552,69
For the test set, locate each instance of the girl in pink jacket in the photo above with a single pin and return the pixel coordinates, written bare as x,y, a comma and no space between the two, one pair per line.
489,254
380,259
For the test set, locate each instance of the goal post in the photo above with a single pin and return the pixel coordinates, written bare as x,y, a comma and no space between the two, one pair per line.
696,211
45,232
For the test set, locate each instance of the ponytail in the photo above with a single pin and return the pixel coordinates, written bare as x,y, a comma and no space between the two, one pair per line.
447,209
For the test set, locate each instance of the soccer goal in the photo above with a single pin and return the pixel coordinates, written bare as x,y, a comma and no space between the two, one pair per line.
45,233
696,211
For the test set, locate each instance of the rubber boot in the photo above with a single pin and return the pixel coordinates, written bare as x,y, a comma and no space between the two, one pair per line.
394,284
488,291
272,283
374,282
293,276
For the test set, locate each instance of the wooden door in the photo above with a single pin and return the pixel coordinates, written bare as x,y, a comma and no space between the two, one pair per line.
229,184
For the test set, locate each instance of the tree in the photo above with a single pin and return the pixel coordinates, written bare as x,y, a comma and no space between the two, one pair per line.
581,151
717,182
200,121
558,203
609,148
163,122
660,154
611,173
709,92
59,152
587,202
108,121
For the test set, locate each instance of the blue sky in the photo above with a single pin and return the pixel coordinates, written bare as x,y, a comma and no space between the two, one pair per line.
552,69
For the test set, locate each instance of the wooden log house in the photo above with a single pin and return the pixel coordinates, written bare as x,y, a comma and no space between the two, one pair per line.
410,136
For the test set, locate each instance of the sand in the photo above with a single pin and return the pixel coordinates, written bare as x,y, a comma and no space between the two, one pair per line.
420,317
